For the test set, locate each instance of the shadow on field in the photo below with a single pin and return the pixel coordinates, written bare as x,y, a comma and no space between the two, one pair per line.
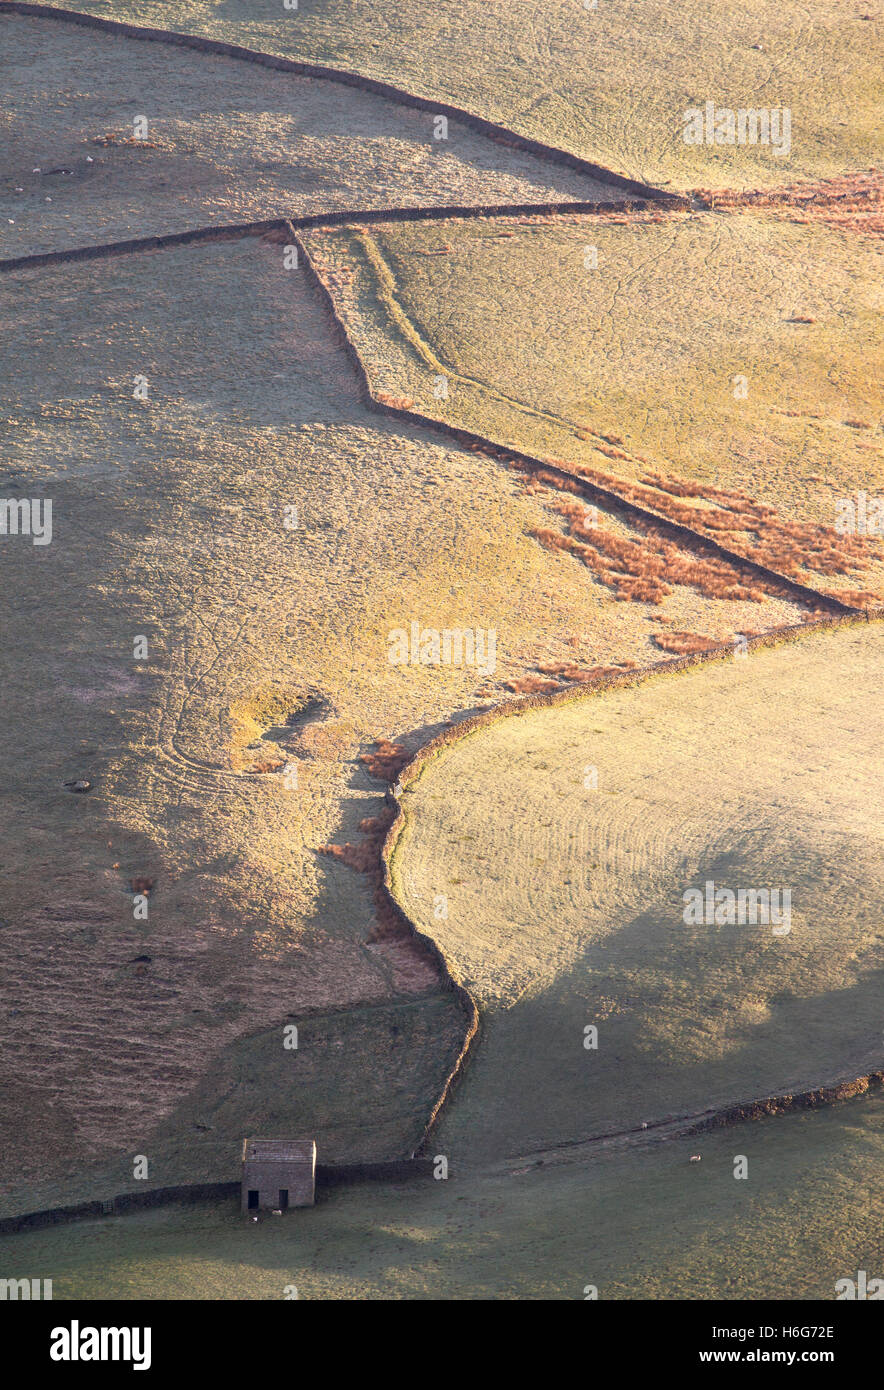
689,1017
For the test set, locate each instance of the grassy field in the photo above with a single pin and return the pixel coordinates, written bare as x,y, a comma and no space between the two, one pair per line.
170,522
200,664
611,83
564,904
636,1223
634,368
225,142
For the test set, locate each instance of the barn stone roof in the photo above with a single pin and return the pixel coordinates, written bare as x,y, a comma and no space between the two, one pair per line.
280,1150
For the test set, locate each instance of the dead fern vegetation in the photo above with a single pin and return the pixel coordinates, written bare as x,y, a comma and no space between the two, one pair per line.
685,643
365,858
386,761
395,402
859,598
851,202
647,569
554,675
530,685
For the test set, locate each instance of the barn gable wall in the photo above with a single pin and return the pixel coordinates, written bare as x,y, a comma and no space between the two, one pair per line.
271,1166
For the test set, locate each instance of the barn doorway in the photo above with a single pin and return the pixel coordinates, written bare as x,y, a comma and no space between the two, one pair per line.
283,1198
253,1198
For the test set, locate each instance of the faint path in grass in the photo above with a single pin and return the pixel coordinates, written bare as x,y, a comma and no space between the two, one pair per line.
685,1014
494,131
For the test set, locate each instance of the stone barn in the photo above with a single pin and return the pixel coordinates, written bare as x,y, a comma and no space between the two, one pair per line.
278,1173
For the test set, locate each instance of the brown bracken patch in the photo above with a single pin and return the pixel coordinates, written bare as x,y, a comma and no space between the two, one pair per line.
683,643
365,858
565,673
530,685
395,402
387,760
859,598
852,202
646,569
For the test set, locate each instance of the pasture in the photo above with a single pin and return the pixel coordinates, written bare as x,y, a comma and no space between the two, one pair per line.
635,1223
561,843
606,342
610,83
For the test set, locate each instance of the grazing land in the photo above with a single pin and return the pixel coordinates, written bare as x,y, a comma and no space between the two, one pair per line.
563,841
267,649
293,516
808,1215
602,341
225,142
610,83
